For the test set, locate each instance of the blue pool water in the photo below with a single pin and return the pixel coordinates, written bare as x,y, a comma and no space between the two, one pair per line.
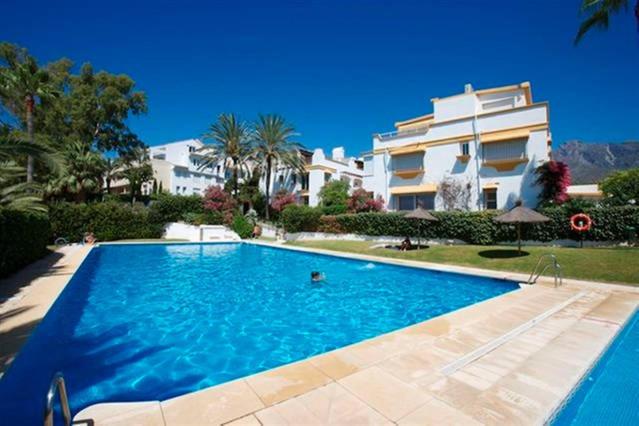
609,395
149,322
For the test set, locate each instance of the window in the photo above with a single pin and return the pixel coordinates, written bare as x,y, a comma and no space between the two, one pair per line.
177,189
411,202
305,182
327,177
357,183
294,178
280,179
509,150
191,148
465,148
490,199
217,170
406,202
408,162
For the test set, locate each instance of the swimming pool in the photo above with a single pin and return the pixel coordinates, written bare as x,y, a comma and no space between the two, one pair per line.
609,393
148,322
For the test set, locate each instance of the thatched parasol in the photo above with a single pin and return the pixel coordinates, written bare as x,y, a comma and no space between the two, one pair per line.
519,215
420,214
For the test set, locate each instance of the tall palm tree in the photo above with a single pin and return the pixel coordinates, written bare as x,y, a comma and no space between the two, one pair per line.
23,83
274,147
230,144
600,11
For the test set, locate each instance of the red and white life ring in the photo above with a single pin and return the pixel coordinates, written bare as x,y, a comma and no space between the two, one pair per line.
580,222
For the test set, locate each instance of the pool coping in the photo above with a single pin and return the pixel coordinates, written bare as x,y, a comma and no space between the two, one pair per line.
400,262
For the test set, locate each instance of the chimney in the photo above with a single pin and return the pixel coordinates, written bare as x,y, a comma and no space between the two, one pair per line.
338,153
468,88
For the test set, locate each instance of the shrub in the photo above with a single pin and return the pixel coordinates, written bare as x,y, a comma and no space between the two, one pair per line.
334,193
168,208
23,239
206,218
334,210
242,226
554,179
108,221
217,200
609,224
361,201
282,199
300,218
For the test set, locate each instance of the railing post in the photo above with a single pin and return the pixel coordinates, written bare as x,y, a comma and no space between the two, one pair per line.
57,384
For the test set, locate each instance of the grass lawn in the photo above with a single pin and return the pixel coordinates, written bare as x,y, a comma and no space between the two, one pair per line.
616,265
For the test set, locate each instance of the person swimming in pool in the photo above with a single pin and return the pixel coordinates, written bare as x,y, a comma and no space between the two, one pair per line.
317,277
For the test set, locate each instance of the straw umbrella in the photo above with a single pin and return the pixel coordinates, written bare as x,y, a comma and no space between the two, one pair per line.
519,215
420,214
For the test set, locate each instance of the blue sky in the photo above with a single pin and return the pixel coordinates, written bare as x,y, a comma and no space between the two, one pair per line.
341,70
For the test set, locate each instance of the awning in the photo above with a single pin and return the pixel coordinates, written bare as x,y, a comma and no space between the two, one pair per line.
511,134
490,186
414,189
326,169
410,149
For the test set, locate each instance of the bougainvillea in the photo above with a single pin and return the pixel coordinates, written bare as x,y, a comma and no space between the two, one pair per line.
282,199
217,200
362,201
554,178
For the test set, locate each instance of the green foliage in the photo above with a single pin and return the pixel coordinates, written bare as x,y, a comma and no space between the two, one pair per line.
242,226
621,187
108,221
609,224
296,218
334,209
334,193
206,218
172,208
23,239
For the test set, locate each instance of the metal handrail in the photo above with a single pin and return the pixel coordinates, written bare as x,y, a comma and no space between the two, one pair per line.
555,265
57,384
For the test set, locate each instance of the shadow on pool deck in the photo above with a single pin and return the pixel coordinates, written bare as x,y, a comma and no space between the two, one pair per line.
502,254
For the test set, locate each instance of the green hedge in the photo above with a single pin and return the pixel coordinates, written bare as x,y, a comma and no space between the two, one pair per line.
242,226
23,239
296,218
609,224
108,221
172,208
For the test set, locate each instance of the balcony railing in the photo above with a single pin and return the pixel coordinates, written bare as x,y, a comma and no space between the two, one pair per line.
401,133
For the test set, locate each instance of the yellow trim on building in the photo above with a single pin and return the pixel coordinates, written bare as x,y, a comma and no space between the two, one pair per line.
525,86
512,133
320,167
505,165
414,189
408,149
427,144
408,174
490,186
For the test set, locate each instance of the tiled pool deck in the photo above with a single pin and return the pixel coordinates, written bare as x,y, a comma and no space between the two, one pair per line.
508,360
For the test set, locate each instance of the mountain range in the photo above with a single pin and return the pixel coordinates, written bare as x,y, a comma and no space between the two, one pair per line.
591,162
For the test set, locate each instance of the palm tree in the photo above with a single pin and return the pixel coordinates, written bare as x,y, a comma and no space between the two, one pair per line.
111,172
136,169
82,174
13,193
230,144
22,84
273,148
600,11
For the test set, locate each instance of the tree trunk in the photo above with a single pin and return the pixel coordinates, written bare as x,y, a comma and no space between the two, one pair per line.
29,104
235,179
268,187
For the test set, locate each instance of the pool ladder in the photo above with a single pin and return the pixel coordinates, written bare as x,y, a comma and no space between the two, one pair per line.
559,278
57,386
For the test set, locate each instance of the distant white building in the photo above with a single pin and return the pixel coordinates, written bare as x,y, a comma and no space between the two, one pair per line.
590,192
318,170
177,166
488,141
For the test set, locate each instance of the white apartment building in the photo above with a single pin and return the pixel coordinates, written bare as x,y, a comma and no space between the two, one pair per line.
177,165
488,142
319,169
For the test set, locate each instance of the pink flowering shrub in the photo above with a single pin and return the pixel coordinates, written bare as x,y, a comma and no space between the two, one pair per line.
282,199
554,179
217,200
361,201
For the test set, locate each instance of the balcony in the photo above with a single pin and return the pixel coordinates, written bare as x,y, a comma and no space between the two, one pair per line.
401,133
505,164
408,173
